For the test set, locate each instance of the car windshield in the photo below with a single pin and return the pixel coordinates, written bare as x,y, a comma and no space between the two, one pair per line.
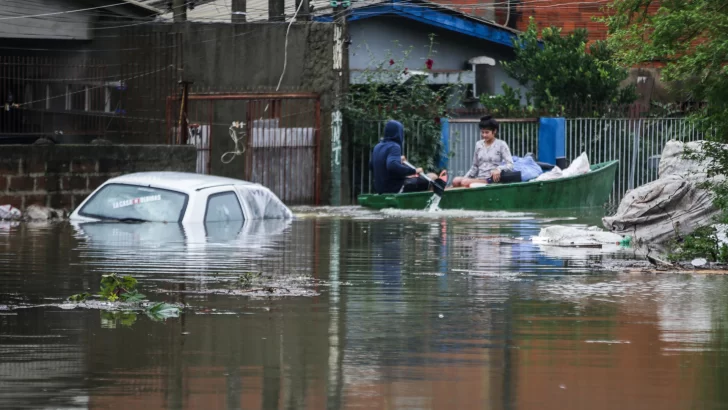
135,203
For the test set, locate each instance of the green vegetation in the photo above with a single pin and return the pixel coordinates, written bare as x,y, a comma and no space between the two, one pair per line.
123,289
565,77
690,38
247,279
392,90
701,243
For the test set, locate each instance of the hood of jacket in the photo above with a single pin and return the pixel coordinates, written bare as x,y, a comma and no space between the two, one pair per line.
394,131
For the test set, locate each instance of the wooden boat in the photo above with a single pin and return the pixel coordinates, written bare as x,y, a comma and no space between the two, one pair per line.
588,190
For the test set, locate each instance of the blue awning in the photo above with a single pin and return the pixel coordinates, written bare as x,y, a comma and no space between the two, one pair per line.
451,20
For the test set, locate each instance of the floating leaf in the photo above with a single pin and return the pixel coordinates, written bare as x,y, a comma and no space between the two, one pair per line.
162,311
133,296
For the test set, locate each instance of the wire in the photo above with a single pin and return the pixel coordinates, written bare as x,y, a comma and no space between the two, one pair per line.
63,12
285,44
285,49
234,130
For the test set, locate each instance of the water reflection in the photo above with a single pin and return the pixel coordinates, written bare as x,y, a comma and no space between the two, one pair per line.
449,312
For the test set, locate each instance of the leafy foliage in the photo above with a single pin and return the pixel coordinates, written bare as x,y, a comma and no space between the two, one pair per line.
691,39
392,90
563,74
701,243
124,288
246,279
162,311
508,104
114,288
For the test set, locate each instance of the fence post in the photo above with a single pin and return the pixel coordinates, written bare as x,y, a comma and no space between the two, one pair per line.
551,139
336,124
635,153
445,138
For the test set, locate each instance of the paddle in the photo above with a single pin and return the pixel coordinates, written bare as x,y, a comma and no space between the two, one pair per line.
437,188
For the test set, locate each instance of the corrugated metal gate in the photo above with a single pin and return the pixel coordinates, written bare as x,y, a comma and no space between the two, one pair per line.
277,134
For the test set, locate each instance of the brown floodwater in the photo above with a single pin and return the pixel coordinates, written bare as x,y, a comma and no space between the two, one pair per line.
357,310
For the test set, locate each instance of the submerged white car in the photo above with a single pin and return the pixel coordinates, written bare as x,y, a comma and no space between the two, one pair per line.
179,197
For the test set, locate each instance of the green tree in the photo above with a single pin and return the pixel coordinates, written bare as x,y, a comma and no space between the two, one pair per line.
393,90
691,39
564,75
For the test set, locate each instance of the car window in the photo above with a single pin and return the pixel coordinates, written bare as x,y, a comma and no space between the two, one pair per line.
122,201
263,204
223,207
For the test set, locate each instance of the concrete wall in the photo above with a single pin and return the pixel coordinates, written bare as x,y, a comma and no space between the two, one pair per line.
250,57
217,58
61,176
71,26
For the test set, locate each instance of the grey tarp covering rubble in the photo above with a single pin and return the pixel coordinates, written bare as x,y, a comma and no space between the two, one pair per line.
654,212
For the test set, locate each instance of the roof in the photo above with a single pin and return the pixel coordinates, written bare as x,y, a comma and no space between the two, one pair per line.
178,181
435,15
137,8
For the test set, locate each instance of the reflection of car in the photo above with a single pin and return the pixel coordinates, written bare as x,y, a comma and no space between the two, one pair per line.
179,197
147,238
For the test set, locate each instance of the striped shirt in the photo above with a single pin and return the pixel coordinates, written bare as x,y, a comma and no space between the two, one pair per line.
488,158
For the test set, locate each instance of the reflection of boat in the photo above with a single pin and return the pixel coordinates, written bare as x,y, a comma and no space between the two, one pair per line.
581,191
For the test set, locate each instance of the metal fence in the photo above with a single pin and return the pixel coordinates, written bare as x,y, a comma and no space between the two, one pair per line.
365,136
636,143
521,135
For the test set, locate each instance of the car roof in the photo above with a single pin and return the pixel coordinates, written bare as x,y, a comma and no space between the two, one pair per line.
178,181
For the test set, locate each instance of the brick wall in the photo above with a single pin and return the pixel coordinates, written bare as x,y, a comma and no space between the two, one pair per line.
61,176
568,14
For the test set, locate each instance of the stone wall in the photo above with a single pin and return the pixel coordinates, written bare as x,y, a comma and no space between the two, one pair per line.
61,176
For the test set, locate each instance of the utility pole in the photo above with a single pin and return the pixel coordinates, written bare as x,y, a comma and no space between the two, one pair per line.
179,10
276,10
341,71
239,11
304,14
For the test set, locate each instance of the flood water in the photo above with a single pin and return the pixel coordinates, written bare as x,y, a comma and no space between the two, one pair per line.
362,310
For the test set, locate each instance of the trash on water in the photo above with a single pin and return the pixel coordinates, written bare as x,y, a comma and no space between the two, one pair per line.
697,262
10,212
592,237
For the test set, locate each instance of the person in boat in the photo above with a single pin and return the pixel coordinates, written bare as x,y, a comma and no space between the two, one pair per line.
390,174
492,156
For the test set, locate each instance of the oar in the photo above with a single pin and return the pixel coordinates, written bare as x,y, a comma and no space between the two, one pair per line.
437,188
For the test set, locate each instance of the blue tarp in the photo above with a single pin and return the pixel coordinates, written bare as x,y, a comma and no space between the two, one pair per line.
528,167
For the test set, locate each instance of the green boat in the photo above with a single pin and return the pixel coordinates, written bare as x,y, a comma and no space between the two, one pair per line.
588,190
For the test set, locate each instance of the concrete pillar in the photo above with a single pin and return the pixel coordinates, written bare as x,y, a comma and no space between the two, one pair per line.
239,10
304,14
276,10
179,10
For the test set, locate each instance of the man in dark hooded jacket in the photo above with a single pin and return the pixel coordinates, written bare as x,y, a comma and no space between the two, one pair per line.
390,174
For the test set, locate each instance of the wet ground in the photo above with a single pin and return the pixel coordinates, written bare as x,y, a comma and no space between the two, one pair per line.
354,309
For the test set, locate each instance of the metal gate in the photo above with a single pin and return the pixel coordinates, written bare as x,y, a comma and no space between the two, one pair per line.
276,135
